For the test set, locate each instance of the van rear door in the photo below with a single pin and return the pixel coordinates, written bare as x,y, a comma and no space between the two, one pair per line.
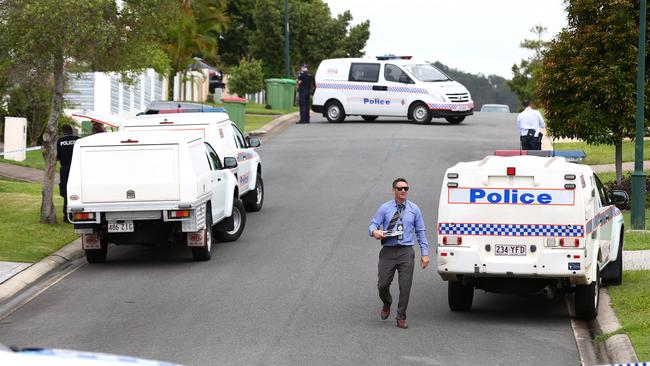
138,173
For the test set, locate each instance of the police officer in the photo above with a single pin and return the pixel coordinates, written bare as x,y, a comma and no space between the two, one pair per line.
64,147
305,85
401,222
530,123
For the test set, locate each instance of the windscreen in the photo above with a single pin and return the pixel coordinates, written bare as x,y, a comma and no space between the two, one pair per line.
426,72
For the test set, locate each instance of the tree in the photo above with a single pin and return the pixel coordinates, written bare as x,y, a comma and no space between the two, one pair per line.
588,79
234,42
247,78
314,34
51,37
526,74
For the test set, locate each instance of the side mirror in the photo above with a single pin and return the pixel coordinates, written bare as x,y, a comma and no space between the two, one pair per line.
254,141
621,199
229,162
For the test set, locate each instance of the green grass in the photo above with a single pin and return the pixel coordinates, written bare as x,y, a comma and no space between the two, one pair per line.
22,237
603,154
255,108
34,159
255,122
637,240
631,303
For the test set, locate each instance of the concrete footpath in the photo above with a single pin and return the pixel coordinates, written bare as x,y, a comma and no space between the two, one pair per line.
17,277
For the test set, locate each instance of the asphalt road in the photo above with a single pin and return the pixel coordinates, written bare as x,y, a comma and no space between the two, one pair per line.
299,287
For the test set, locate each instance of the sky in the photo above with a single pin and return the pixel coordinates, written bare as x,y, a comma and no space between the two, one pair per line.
475,36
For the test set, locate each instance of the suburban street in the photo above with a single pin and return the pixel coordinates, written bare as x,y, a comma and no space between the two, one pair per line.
299,286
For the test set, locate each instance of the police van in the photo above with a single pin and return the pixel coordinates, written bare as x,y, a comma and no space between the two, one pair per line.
526,224
394,86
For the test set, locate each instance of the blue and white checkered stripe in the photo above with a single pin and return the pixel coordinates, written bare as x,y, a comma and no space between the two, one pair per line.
449,106
406,89
344,86
545,230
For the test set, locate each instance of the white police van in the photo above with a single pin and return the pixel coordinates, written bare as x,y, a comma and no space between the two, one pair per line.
523,224
388,86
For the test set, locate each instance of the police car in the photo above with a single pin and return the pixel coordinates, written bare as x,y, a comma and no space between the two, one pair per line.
523,224
388,86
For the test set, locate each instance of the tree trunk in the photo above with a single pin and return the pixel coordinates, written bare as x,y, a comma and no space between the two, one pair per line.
619,161
48,214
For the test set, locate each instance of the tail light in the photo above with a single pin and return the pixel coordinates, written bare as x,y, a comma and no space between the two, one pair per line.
177,214
84,216
452,240
569,243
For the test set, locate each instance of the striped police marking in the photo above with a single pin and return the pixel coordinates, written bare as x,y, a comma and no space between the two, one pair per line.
451,106
344,86
406,89
544,230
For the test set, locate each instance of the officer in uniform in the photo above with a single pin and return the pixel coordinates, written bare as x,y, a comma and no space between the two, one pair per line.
402,222
305,85
64,147
530,124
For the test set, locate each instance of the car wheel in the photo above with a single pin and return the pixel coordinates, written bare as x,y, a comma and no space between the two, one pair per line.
455,120
201,254
254,199
239,219
369,118
94,256
420,113
334,111
587,298
614,270
460,296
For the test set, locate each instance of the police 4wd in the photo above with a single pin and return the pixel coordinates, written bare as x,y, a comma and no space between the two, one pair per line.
523,224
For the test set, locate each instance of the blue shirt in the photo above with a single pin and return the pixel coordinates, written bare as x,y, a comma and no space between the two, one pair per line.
411,219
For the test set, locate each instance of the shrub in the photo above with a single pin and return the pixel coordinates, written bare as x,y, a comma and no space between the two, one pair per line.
247,78
626,185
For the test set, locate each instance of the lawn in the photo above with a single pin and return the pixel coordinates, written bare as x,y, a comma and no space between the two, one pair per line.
631,303
255,108
603,154
253,122
34,159
22,237
636,240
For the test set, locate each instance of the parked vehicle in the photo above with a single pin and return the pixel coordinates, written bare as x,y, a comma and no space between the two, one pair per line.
216,76
152,188
388,86
523,224
501,108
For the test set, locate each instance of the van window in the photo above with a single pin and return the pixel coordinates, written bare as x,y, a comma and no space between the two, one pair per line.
239,138
364,72
604,200
395,74
213,158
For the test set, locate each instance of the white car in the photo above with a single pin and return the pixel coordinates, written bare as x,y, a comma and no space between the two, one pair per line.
212,124
499,108
521,224
388,86
152,188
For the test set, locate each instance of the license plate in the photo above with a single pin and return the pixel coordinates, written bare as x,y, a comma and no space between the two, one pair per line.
507,249
461,108
120,227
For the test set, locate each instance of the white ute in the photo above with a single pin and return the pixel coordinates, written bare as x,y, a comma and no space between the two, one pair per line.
522,224
151,188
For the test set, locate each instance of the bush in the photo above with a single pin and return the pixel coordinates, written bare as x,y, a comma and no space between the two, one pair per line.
626,185
247,78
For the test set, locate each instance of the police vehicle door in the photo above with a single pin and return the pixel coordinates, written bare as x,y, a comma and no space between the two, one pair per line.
400,86
244,159
218,179
604,219
364,94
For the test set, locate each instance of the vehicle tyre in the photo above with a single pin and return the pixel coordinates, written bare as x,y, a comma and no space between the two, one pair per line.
202,254
369,118
615,269
254,199
239,218
94,256
455,120
460,296
587,298
420,113
334,111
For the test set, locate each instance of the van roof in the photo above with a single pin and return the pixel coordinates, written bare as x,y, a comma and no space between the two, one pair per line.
148,138
525,162
176,119
374,60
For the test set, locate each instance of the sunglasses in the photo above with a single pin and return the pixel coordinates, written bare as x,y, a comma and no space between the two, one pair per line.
401,189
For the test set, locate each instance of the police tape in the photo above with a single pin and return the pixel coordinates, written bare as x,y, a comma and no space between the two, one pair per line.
21,150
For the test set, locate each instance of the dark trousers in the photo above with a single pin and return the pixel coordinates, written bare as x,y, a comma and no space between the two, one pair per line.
63,189
303,101
400,258
530,143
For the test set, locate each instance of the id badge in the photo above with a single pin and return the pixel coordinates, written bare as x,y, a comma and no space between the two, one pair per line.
400,227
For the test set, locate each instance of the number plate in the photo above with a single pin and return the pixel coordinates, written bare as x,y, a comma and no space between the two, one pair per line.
509,250
120,227
460,108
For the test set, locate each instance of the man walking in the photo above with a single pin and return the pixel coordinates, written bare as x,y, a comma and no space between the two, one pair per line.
530,123
305,83
64,147
401,220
